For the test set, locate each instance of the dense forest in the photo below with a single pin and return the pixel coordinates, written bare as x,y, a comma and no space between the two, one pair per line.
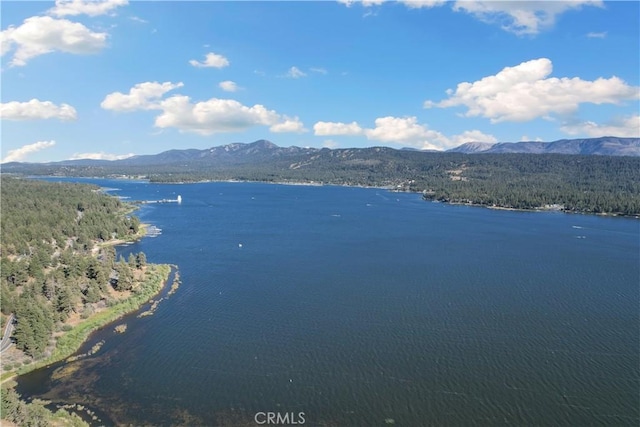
53,268
573,183
34,414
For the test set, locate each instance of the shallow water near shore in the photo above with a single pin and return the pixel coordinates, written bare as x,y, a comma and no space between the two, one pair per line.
361,307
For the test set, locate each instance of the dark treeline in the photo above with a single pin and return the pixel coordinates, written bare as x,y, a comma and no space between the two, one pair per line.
50,269
34,414
39,215
576,183
590,184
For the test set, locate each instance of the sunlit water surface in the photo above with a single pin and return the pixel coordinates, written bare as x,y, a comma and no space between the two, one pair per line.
364,307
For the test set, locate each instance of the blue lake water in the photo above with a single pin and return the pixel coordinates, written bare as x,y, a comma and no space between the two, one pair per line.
366,307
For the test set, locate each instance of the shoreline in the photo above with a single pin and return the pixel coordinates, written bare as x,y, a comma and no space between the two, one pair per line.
71,341
389,188
392,189
540,209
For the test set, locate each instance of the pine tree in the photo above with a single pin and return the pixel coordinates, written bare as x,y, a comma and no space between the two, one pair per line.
141,260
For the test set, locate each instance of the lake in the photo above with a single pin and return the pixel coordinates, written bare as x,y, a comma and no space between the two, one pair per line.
363,307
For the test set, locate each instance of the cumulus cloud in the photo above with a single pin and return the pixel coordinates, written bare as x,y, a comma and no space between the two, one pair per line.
143,96
100,156
20,153
6,41
43,34
212,116
406,130
521,17
628,127
525,92
83,7
205,117
295,73
36,110
402,130
337,128
288,124
472,136
211,60
228,86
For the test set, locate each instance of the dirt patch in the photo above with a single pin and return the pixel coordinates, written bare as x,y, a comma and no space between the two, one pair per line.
456,174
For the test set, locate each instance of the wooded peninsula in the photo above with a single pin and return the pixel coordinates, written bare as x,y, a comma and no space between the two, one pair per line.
60,278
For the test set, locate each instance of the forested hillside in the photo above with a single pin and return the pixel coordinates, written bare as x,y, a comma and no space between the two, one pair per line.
574,183
54,270
588,184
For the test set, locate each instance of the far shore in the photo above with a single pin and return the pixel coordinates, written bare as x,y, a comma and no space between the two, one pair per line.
390,188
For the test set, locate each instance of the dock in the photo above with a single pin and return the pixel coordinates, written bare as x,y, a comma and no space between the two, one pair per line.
177,200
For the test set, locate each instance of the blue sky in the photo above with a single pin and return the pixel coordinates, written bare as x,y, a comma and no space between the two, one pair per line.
113,78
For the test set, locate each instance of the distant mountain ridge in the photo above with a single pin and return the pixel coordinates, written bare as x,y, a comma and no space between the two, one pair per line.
605,146
525,175
238,153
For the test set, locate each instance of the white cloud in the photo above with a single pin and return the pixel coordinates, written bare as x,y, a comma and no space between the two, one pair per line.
100,156
204,117
288,125
6,41
36,110
525,92
521,17
212,60
318,70
518,17
20,153
417,4
402,130
525,138
406,130
365,3
600,35
83,7
212,116
43,34
627,127
472,136
143,96
295,73
228,86
337,128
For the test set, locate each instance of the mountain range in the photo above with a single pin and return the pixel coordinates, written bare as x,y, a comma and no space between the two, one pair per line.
607,146
266,151
522,175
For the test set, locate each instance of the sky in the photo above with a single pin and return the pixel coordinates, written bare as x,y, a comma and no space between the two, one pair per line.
114,78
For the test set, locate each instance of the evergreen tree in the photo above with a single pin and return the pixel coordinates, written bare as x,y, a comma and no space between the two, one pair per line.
141,260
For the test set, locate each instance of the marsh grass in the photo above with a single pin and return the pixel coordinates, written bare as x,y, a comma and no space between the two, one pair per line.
70,341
